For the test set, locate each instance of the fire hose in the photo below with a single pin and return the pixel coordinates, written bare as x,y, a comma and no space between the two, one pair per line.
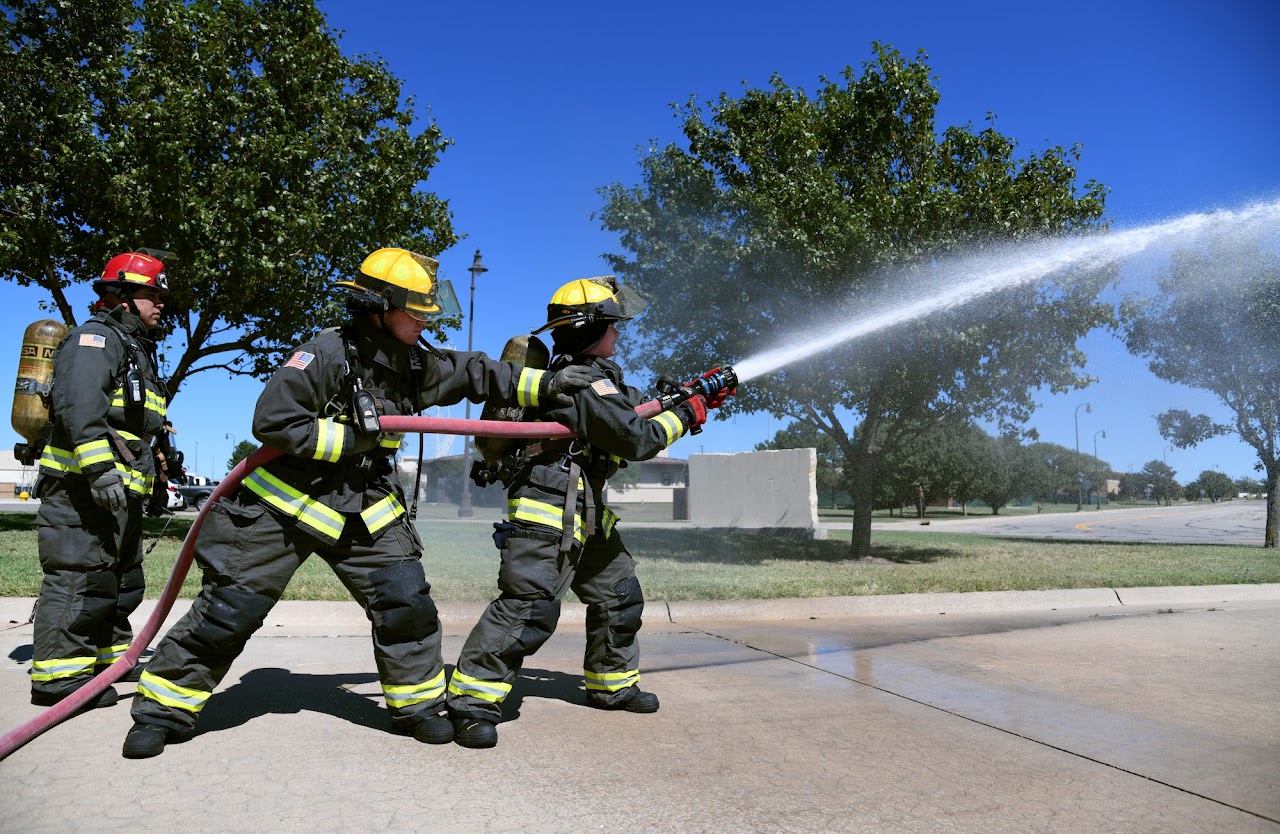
74,702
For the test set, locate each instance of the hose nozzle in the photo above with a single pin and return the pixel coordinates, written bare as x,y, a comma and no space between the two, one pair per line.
723,379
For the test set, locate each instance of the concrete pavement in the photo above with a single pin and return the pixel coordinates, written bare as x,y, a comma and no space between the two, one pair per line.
1125,710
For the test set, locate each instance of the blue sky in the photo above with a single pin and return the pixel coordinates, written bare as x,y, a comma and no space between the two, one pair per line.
1175,104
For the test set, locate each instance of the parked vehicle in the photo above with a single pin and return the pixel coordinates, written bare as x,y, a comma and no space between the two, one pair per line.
177,501
197,494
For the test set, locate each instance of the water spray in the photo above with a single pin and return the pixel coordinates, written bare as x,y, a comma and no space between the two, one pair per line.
1020,265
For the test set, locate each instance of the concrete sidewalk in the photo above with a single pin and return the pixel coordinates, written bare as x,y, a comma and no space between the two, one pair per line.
1127,710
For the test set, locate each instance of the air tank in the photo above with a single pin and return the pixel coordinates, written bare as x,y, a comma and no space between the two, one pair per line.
35,378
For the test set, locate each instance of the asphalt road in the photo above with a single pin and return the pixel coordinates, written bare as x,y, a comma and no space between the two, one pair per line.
1230,522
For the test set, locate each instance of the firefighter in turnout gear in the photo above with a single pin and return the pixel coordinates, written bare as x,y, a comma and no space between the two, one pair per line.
96,475
333,493
560,535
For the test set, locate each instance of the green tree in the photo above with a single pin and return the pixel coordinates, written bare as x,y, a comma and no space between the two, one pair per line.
782,206
232,133
1213,326
1249,486
827,475
243,449
1212,485
1161,482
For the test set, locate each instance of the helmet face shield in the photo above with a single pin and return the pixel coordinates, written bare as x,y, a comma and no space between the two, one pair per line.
404,280
588,301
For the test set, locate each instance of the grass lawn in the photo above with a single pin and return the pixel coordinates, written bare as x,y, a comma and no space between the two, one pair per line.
687,564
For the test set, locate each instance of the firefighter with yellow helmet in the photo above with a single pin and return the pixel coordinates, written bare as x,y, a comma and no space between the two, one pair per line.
334,493
97,470
559,534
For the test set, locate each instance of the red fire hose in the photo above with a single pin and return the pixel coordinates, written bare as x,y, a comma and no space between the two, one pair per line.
428,425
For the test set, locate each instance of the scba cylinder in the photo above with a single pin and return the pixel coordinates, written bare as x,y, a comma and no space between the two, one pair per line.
35,378
522,350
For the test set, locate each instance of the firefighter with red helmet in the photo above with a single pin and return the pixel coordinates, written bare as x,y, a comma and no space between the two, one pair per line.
334,493
560,535
97,471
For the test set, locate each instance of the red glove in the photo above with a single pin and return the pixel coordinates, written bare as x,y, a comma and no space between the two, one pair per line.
695,411
716,400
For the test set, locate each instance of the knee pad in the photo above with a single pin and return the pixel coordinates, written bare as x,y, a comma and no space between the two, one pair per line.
132,588
539,625
98,605
231,618
400,603
628,605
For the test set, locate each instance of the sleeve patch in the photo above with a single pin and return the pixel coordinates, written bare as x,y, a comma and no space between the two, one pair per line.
603,387
300,360
92,340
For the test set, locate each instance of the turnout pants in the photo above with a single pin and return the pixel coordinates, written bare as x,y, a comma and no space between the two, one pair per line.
248,556
532,579
93,581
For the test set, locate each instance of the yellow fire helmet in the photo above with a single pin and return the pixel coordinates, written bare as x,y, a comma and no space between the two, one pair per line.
587,301
396,278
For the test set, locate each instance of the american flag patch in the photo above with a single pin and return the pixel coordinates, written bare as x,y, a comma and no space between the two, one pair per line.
92,340
603,387
300,360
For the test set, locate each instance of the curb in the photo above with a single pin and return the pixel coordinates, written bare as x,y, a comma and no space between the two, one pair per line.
313,618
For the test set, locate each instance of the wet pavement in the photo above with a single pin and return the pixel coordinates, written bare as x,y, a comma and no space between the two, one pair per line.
1131,710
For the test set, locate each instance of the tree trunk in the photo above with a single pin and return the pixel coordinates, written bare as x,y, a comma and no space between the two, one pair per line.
1272,537
861,490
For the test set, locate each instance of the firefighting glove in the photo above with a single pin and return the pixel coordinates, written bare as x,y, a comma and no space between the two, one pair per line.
717,399
694,411
108,490
558,389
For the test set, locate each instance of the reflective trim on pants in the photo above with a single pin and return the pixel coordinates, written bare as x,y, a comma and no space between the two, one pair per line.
610,681
495,692
404,696
61,667
170,694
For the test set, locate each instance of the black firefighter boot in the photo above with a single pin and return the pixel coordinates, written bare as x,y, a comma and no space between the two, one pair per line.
145,741
637,701
475,733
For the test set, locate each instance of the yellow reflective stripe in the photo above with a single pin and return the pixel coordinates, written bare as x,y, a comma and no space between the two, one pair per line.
154,402
61,667
111,654
95,451
611,681
381,514
416,693
492,691
527,386
170,694
548,515
59,460
330,435
134,480
671,425
296,504
610,519
390,439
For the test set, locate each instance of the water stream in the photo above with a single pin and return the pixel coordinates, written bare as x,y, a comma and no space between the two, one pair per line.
961,280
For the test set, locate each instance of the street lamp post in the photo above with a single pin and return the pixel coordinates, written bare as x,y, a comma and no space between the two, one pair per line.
476,269
231,436
1096,493
1088,409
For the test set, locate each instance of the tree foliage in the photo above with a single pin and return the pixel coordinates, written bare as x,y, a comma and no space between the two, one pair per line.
1213,326
232,133
1211,485
781,207
243,449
